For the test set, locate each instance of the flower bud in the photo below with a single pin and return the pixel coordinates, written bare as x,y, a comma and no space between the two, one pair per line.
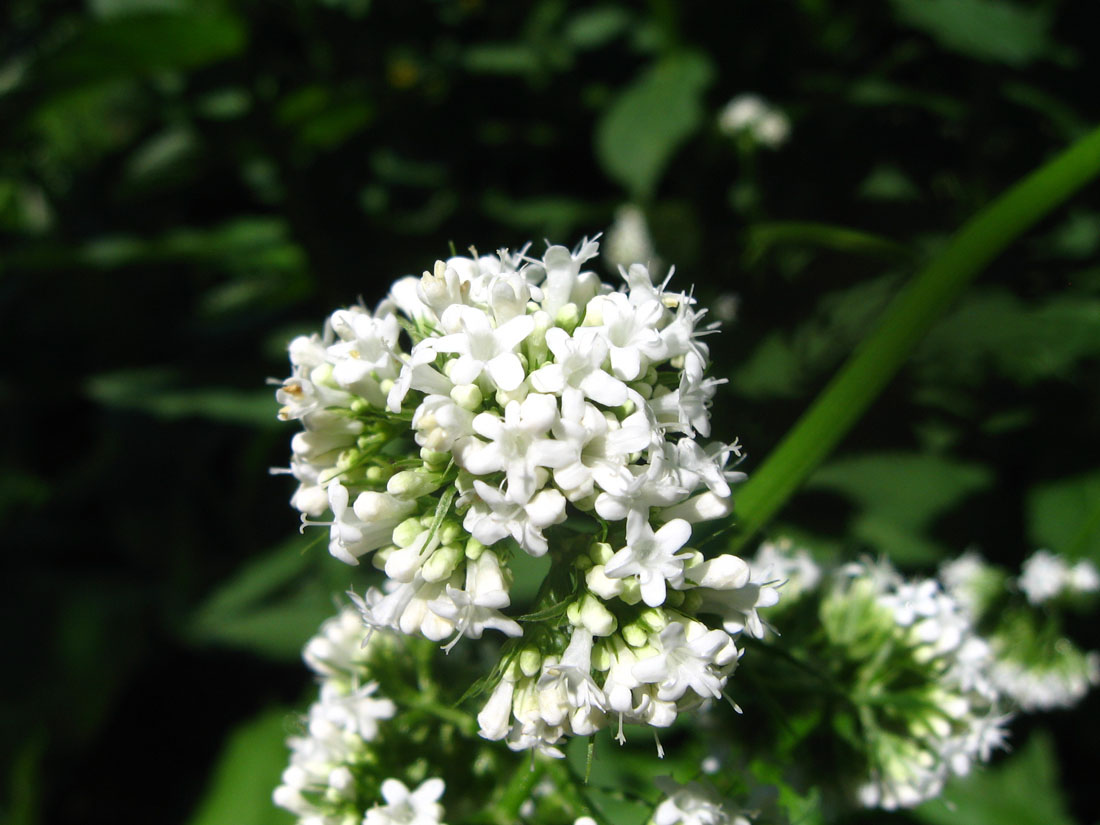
634,635
407,531
601,552
654,620
601,585
434,458
596,618
568,317
474,549
530,662
442,563
467,396
410,484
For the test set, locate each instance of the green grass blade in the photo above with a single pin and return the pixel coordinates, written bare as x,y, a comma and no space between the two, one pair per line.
903,324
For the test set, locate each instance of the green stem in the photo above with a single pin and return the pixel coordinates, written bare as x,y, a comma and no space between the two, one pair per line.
518,790
903,324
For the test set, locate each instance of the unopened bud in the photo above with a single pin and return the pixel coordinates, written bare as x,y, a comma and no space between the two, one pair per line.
410,484
653,619
434,458
407,531
474,549
600,552
597,618
634,635
441,564
568,317
530,661
467,396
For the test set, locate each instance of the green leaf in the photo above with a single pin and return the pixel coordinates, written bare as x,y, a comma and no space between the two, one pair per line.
899,496
247,771
1023,790
121,47
273,604
761,237
1064,516
650,119
989,30
911,314
150,392
986,30
993,330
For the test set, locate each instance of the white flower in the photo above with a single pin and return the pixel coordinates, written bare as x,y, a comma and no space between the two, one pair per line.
566,688
578,367
690,804
750,114
688,657
631,330
483,348
517,445
493,516
651,556
1047,576
405,807
478,606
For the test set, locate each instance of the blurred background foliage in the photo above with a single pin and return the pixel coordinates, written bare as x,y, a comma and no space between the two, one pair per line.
184,185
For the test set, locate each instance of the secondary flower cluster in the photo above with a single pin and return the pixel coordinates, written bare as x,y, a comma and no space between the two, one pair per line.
502,404
328,781
920,677
1035,666
696,803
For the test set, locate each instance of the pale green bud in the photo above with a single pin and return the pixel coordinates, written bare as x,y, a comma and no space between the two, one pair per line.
601,552
410,484
632,591
434,458
406,532
601,657
474,549
530,661
442,563
359,405
654,619
634,635
568,317
597,618
378,560
582,562
450,532
643,389
573,613
467,396
385,385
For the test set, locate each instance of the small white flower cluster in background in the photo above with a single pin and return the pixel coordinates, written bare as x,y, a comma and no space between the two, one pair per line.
1035,667
323,783
697,803
1046,576
628,241
752,116
912,638
793,569
483,404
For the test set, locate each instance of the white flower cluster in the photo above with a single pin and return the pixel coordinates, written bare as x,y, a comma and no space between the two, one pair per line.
753,116
1047,576
911,638
1035,667
531,392
322,784
696,803
792,569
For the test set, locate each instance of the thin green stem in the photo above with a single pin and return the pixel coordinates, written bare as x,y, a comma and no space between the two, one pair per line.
903,324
